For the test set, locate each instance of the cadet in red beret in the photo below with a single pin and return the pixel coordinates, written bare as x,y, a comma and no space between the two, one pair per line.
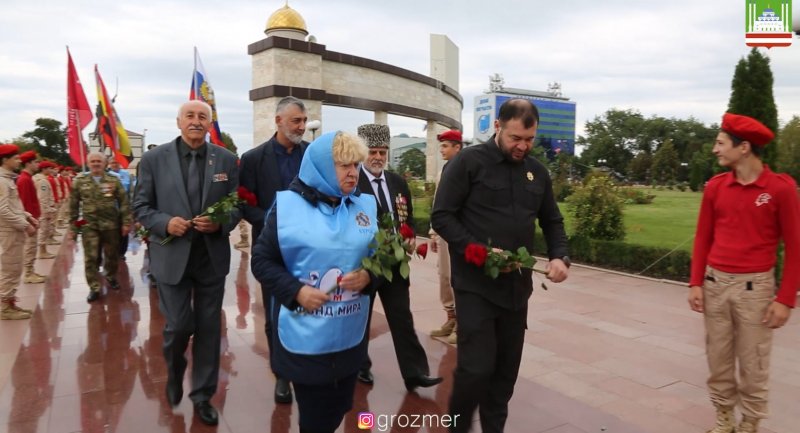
450,143
15,224
30,201
744,214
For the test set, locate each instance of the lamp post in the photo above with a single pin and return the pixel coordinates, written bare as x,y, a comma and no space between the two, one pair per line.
313,125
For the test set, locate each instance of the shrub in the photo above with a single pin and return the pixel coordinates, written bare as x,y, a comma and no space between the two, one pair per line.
598,210
635,196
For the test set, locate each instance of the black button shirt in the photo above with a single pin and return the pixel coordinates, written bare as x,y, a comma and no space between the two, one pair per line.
484,198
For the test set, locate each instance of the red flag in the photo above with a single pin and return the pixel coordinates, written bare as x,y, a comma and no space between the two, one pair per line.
78,114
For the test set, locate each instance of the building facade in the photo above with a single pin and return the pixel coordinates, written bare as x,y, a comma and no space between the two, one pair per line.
556,132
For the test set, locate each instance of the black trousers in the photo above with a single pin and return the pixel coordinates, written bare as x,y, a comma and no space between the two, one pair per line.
397,305
490,341
193,307
323,407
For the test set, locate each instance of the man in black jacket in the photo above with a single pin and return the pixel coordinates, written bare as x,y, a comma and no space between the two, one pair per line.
270,168
493,193
393,196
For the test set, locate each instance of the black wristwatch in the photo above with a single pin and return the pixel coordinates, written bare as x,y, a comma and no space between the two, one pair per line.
566,260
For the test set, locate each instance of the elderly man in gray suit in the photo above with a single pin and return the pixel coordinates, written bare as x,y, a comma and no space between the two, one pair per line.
176,181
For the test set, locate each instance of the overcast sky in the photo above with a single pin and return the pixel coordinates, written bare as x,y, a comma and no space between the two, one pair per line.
672,59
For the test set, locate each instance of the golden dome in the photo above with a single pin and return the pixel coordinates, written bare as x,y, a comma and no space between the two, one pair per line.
286,18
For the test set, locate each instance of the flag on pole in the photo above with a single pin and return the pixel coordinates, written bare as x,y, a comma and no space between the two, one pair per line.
109,127
201,89
79,114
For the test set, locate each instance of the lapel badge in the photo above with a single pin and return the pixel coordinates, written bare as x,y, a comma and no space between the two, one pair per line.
530,176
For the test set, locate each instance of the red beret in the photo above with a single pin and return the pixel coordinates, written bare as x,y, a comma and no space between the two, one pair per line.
8,150
451,135
46,164
747,128
27,157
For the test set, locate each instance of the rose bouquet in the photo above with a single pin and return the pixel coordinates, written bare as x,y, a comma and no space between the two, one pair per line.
494,262
220,212
392,247
79,225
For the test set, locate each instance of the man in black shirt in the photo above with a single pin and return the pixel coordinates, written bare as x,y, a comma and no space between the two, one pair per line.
267,169
493,193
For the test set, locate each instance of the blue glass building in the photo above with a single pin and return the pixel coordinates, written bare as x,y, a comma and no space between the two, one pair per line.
556,132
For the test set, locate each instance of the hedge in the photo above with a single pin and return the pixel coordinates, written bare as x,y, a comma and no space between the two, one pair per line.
625,257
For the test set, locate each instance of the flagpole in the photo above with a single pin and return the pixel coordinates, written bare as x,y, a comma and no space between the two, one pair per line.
195,84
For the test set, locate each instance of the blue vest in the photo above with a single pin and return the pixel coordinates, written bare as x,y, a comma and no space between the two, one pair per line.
318,244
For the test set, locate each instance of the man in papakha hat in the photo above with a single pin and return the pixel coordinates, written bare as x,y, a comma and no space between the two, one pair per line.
15,225
30,202
744,214
394,197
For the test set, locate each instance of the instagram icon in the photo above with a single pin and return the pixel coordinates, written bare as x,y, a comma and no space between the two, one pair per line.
366,420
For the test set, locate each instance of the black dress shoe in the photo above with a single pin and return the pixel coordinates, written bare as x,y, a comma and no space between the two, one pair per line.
174,393
93,296
366,377
206,413
423,381
283,392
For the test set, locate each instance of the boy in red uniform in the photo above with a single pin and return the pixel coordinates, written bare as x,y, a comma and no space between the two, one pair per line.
30,201
744,214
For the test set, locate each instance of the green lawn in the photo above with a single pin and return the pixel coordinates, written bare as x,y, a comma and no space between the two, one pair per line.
666,223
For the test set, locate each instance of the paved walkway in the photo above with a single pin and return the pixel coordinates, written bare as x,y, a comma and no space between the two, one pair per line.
604,352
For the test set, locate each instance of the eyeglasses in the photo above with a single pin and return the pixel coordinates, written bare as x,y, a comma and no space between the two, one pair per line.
378,152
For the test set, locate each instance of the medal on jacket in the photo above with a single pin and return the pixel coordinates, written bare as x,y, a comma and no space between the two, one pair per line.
530,176
402,208
107,189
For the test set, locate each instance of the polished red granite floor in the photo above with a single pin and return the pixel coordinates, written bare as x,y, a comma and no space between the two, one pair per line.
99,368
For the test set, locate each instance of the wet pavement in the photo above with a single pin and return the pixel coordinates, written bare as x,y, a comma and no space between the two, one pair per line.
604,353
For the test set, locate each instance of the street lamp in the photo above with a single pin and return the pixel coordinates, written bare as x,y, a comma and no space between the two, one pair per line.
313,125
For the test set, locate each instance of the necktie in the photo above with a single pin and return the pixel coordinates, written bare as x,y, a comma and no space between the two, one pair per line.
384,205
193,184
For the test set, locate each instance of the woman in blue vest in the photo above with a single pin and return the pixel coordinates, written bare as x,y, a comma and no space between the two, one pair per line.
307,260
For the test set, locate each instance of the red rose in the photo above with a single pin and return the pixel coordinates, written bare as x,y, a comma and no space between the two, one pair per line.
475,254
80,223
406,231
422,250
247,196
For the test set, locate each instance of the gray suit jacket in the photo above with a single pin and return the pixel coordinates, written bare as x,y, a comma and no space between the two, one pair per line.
161,195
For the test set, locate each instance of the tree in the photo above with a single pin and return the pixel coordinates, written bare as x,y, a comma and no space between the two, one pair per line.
613,138
701,167
412,161
665,164
50,141
228,140
751,95
639,168
789,149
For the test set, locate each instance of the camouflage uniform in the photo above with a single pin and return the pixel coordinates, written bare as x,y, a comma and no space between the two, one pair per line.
104,205
47,202
13,222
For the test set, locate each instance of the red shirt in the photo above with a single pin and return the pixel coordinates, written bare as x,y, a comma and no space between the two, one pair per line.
56,195
27,194
740,225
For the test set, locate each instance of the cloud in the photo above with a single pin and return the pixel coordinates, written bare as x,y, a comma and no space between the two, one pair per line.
662,58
